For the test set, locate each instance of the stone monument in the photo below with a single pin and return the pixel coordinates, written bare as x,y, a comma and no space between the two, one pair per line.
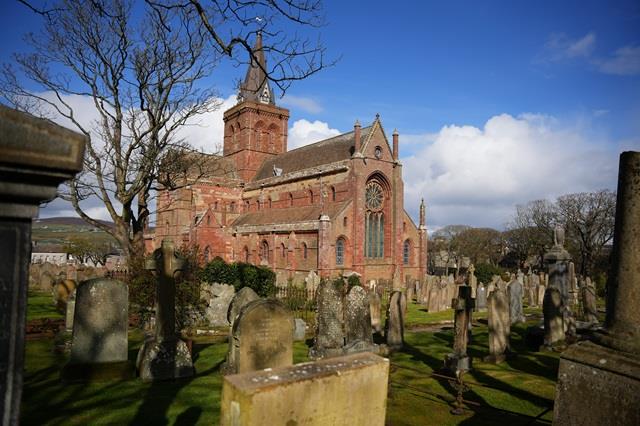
554,335
481,298
499,326
463,305
35,157
599,382
165,356
515,291
329,338
394,327
374,309
589,308
99,348
557,260
358,322
262,337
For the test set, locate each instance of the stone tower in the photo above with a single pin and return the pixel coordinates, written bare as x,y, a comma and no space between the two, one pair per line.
255,129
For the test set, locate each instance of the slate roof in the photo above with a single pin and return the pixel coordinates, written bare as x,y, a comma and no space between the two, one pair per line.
327,151
289,215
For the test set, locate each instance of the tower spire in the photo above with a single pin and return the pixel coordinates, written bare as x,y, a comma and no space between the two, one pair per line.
255,87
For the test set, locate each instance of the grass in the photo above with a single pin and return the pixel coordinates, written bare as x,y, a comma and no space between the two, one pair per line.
507,393
40,305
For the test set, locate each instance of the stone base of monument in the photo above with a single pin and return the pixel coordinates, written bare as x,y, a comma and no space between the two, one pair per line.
597,386
349,390
454,363
165,360
494,359
100,372
361,346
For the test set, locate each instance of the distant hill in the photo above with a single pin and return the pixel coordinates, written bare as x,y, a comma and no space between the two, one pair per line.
70,221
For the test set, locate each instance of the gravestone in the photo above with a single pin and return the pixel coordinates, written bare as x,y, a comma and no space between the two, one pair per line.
553,318
499,326
218,298
434,297
329,338
463,305
541,290
394,328
99,348
358,322
473,281
481,298
262,337
239,300
348,390
312,281
515,302
165,356
557,260
35,157
374,309
70,311
534,283
299,330
589,307
599,381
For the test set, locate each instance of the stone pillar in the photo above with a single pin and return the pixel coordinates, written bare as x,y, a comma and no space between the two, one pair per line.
599,383
463,305
558,261
35,157
324,245
396,145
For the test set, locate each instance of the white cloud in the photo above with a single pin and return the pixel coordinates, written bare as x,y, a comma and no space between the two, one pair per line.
624,61
305,104
476,176
304,132
559,46
206,131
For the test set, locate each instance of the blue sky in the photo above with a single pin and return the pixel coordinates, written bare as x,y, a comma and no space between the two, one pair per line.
497,103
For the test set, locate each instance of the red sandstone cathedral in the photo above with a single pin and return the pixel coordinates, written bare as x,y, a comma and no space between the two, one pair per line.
333,207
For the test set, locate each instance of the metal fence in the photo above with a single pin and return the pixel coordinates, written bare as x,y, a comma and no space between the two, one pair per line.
301,302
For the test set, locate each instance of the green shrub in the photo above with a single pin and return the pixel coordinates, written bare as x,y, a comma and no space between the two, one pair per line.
260,279
353,280
484,272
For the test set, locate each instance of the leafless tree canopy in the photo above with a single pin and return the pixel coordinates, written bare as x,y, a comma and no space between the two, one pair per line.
142,65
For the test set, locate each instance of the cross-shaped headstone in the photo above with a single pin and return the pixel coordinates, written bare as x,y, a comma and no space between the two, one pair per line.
463,305
166,263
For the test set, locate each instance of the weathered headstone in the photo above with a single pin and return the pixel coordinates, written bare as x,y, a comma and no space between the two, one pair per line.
358,322
434,297
70,311
558,260
262,337
165,356
329,338
375,307
499,326
394,328
299,330
217,297
553,318
515,302
463,305
599,382
589,307
312,281
99,349
348,390
481,298
473,281
239,300
35,157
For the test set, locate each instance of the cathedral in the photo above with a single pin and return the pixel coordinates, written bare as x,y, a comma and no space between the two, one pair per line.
333,207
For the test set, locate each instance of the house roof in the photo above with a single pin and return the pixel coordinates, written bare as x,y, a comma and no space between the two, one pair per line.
327,151
290,215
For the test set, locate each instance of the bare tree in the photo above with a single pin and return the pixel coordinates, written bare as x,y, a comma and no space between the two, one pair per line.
481,245
589,220
530,232
144,74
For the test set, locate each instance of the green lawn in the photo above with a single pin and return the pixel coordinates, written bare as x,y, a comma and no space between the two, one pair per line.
523,385
40,305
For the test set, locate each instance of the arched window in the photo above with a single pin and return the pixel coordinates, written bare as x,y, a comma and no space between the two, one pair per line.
345,221
406,252
258,204
246,205
232,207
311,196
290,199
304,250
270,203
208,220
245,254
264,251
340,251
283,250
206,254
333,193
374,220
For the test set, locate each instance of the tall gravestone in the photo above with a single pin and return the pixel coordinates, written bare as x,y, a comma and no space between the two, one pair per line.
375,306
499,326
165,356
99,348
329,338
35,157
70,311
553,318
243,297
515,302
599,382
394,329
358,322
263,333
463,305
481,298
557,260
589,308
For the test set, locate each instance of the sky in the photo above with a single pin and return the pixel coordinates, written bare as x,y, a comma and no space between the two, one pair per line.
496,103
